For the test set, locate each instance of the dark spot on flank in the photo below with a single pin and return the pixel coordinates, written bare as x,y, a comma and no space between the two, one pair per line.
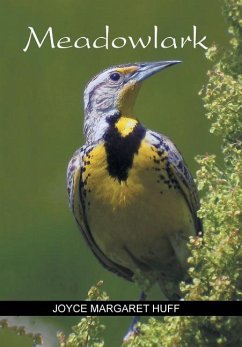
160,152
167,148
157,145
85,181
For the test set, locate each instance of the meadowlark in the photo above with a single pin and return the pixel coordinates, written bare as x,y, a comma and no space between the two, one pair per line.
129,188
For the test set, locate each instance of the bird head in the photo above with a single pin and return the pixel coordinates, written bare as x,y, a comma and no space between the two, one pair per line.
114,90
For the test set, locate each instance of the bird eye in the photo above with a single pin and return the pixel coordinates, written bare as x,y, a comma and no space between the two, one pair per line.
115,76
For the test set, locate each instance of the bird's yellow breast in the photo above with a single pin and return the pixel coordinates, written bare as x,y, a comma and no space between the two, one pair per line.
133,221
110,191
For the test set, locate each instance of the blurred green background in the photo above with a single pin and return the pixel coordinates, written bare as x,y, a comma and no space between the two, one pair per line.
43,255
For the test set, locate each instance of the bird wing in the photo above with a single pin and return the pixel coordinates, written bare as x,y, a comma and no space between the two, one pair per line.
181,173
75,188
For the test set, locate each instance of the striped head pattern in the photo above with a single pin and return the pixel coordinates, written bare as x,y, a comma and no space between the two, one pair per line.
113,93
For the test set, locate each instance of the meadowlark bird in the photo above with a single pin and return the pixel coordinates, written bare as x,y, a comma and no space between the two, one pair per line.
129,189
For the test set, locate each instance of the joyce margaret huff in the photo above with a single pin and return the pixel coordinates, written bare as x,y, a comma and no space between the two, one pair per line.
154,40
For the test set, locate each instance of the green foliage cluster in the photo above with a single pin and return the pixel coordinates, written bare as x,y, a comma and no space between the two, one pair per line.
88,332
216,260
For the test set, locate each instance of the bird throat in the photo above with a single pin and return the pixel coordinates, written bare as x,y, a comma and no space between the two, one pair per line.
122,142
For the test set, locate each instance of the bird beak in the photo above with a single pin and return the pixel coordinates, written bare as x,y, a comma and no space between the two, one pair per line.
146,70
